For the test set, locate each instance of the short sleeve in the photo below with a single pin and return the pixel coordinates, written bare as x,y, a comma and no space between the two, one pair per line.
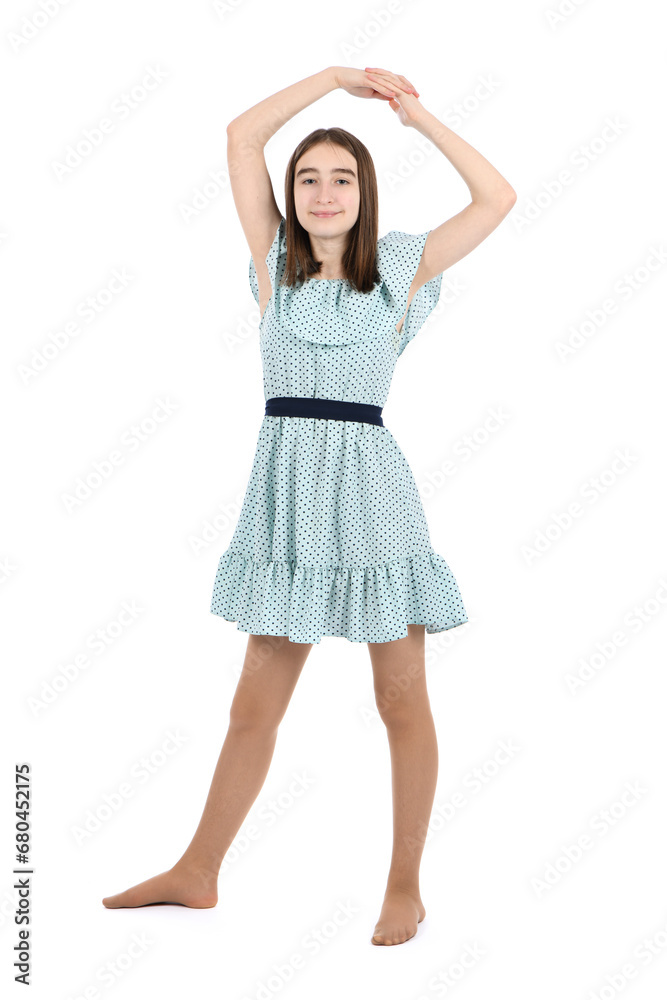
275,261
399,255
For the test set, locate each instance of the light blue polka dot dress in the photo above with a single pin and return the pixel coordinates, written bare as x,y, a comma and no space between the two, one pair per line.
332,539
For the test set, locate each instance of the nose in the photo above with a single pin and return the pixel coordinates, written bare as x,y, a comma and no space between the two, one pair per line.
323,198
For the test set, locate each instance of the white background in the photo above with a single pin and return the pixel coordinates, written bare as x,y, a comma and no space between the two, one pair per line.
535,95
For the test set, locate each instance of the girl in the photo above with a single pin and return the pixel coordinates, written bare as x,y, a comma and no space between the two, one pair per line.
332,538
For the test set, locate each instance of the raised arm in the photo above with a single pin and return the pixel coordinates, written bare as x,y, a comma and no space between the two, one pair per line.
492,197
261,121
249,177
249,132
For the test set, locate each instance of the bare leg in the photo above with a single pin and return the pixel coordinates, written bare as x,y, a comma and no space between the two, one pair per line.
402,699
271,669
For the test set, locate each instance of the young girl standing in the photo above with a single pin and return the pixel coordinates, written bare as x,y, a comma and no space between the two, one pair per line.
332,539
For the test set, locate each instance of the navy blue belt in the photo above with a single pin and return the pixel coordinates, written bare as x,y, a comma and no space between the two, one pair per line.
326,409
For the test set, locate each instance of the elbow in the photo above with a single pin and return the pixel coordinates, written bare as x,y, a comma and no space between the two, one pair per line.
508,200
241,136
498,203
503,203
236,137
235,127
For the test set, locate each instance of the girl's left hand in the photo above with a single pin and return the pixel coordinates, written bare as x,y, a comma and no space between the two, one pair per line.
405,104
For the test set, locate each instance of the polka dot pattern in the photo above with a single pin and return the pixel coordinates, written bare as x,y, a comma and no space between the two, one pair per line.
332,539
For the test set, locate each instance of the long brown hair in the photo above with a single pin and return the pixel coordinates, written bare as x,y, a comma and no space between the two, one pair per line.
359,264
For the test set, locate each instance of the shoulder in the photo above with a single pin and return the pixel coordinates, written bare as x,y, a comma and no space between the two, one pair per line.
398,257
395,237
397,247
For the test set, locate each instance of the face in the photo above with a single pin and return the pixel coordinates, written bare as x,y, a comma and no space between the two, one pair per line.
326,190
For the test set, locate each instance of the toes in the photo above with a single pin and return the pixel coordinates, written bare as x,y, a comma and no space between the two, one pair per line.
384,938
393,937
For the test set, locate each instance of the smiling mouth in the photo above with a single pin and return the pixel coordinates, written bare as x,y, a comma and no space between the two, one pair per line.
325,214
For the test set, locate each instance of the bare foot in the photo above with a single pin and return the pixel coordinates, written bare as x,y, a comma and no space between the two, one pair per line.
401,912
181,885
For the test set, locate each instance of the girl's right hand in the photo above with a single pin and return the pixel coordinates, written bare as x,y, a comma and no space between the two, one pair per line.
358,83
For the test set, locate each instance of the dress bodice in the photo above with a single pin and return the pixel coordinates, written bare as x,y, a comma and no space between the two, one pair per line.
325,339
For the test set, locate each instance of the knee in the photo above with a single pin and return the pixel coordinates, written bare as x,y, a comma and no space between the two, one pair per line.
248,716
397,713
401,706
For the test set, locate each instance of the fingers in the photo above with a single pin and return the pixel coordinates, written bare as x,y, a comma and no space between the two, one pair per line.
374,71
375,80
382,73
404,86
378,82
410,85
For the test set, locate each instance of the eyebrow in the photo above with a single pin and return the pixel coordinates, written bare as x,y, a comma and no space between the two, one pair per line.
334,170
